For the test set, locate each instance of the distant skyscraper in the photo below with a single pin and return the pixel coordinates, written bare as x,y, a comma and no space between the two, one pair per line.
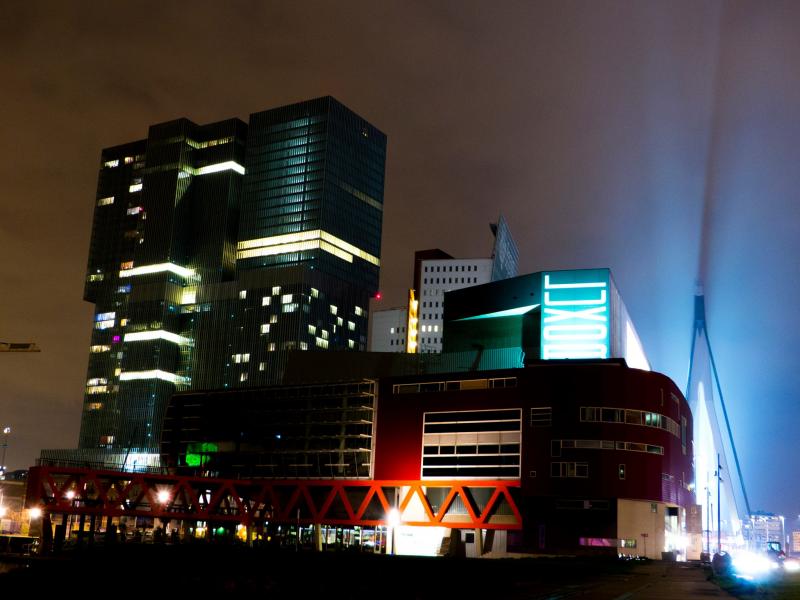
217,248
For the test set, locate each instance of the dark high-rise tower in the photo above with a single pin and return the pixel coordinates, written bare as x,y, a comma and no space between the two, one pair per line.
215,250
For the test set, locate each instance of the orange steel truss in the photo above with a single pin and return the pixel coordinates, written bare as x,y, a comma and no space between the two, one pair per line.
467,504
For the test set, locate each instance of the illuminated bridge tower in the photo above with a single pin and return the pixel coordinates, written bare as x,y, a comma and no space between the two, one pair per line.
724,499
215,250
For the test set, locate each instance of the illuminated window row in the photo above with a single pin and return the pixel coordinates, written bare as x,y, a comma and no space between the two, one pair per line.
480,443
209,143
304,240
160,334
105,201
599,414
154,374
558,445
569,469
464,384
159,268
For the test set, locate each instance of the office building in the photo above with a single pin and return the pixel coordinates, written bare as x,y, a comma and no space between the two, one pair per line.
215,250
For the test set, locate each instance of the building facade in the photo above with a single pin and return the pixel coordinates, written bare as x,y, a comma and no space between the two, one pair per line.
436,273
215,250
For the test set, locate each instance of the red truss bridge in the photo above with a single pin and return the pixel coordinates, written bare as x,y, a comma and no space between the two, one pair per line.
484,504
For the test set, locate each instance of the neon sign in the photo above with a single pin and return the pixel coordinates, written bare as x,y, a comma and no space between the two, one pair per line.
575,313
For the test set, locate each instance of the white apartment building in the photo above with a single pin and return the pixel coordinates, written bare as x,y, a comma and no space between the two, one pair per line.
387,332
440,276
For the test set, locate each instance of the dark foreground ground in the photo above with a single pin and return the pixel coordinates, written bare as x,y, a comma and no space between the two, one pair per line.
208,571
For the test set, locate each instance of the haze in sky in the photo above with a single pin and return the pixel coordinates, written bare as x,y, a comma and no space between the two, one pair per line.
620,134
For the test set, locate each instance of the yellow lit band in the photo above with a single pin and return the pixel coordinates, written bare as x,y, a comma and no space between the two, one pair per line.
160,268
159,334
411,336
154,374
304,240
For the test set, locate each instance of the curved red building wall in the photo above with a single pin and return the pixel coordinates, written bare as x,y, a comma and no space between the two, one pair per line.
591,434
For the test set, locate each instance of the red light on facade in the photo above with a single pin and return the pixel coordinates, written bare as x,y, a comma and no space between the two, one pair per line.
377,296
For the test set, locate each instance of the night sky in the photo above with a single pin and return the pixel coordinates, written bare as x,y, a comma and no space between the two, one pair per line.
660,139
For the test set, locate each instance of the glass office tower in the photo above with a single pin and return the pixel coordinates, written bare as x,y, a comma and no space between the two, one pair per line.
217,249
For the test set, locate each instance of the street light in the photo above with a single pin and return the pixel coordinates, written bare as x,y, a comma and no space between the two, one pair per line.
6,431
393,520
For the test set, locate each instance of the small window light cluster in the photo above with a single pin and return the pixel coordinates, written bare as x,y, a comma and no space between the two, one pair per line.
265,328
240,358
105,201
266,301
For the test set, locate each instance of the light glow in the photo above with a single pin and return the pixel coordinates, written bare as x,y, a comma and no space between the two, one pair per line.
159,268
228,165
412,335
158,334
511,312
35,512
153,374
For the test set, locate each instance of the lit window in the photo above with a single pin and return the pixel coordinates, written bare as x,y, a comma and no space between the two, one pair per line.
107,439
96,389
96,277
276,290
136,187
134,210
242,294
107,324
314,293
359,311
265,301
352,326
339,321
97,381
271,347
303,346
262,366
117,371
111,163
391,329
351,344
324,334
94,405
128,160
435,328
105,201
245,357
287,308
286,299
321,343
334,309
243,377
273,319
124,289
265,328
312,329
126,265
98,349
123,322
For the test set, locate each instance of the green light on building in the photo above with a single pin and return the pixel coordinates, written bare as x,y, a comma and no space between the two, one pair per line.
197,454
